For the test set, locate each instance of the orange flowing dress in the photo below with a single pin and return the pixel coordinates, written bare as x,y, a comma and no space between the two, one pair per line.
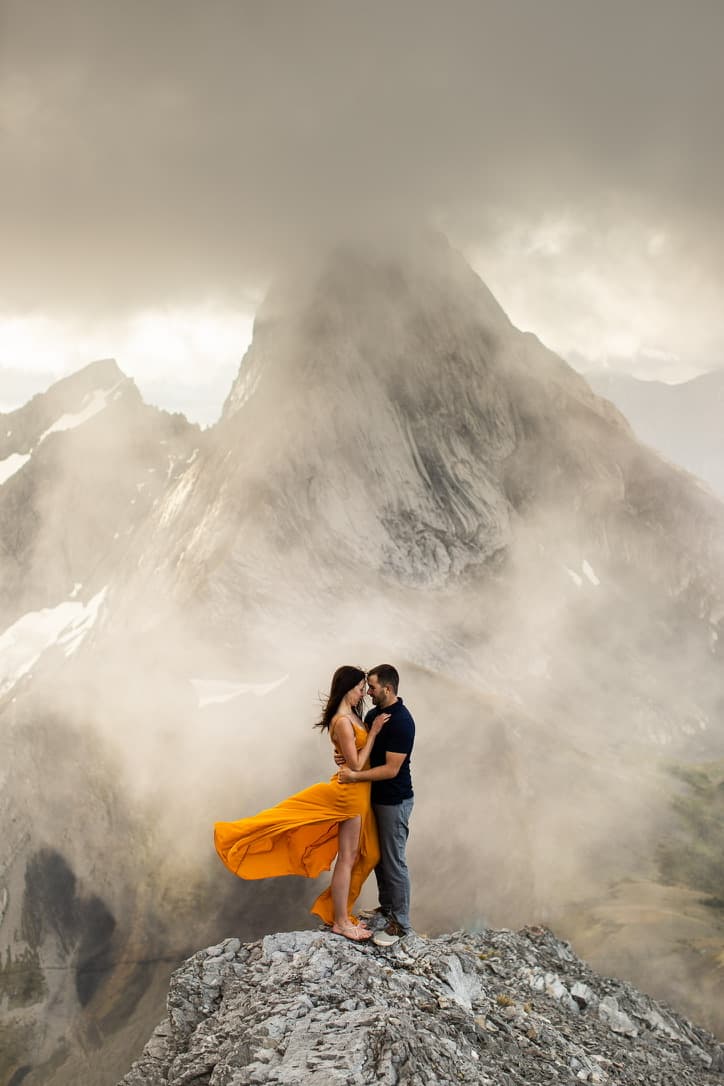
299,836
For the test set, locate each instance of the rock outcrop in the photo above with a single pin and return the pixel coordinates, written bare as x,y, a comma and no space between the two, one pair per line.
498,1008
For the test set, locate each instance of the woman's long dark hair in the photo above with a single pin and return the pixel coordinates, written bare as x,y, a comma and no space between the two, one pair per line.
344,679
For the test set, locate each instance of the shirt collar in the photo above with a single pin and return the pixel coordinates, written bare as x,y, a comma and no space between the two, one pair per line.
391,708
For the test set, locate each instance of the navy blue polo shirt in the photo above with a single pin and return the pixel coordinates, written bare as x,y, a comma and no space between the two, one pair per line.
397,736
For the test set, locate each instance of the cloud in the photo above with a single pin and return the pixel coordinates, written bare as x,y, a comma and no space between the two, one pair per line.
153,149
624,296
166,156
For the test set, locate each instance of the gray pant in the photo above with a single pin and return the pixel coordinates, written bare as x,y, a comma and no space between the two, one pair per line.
393,879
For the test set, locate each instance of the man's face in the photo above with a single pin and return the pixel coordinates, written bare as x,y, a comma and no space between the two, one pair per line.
375,690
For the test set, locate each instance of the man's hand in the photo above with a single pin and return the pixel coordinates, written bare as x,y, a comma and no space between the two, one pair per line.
346,775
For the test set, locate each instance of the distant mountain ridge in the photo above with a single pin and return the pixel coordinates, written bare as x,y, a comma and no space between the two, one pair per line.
80,467
23,427
683,421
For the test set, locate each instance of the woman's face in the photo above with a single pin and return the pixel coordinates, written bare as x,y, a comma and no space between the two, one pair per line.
358,692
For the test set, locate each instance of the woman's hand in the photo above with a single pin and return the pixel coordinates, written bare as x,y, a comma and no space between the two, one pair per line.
379,722
348,758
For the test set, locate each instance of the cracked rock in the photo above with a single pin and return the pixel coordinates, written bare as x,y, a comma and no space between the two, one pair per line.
310,1007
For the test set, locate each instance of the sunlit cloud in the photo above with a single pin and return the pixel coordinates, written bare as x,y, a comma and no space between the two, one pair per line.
607,296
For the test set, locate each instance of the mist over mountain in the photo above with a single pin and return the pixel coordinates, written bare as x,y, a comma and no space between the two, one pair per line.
398,474
682,421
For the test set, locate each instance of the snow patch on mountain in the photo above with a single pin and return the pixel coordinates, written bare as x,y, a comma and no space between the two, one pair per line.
590,573
177,498
93,403
73,636
217,691
11,465
23,643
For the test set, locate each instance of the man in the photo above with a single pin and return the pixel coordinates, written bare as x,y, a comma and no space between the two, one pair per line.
392,801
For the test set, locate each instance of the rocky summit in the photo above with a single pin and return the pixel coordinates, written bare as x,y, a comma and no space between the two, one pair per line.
498,1008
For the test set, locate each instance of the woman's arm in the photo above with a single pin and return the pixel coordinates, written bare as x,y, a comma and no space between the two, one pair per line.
344,738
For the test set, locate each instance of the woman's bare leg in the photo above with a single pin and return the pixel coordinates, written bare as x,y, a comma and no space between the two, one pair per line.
349,833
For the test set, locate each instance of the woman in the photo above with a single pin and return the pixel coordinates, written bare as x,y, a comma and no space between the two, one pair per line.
303,834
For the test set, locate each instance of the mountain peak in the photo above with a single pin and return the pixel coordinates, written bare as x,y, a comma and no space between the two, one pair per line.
66,402
375,312
399,273
103,371
395,367
98,376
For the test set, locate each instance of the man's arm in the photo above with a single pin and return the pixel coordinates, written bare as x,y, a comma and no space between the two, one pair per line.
392,766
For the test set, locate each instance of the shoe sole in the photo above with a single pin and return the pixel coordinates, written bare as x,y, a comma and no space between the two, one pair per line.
383,939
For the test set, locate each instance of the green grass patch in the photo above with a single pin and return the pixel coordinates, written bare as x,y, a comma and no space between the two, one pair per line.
693,854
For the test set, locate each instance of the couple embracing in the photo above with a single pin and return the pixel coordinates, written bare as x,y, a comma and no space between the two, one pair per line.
361,816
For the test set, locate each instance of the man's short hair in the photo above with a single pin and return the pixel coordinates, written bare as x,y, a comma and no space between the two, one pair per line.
387,675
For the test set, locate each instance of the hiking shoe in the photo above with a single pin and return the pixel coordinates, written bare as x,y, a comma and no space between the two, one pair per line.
389,935
375,919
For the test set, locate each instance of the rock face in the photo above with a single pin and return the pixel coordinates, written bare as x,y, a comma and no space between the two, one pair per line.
80,467
497,1009
388,420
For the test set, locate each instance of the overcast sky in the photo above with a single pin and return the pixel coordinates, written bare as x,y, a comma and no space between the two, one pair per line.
161,157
